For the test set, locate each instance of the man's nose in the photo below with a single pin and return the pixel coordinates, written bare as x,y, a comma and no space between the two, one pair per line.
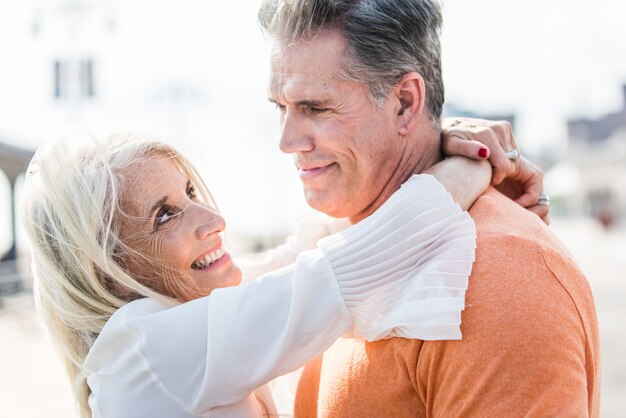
207,221
295,137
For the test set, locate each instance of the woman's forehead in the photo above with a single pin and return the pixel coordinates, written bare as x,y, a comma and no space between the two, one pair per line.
148,180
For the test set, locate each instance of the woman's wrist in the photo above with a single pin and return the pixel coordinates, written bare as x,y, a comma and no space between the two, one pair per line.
463,178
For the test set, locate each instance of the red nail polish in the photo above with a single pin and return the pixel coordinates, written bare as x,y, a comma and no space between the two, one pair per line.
482,153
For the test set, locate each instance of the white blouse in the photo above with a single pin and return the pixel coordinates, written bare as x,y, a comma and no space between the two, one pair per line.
400,272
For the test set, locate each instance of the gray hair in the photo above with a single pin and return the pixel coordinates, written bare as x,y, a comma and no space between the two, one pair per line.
385,39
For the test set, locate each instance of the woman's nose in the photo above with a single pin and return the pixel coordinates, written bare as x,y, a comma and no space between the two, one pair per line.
207,222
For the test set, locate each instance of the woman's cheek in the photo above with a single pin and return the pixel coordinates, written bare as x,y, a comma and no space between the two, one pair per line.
172,247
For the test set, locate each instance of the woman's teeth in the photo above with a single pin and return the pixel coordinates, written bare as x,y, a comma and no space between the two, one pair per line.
208,259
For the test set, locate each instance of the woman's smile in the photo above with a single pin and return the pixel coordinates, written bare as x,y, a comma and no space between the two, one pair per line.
208,259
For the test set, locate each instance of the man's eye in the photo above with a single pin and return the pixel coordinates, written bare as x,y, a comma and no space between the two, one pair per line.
279,107
317,110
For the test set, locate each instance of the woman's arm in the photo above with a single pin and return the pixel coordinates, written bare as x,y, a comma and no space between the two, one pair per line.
386,276
464,178
307,233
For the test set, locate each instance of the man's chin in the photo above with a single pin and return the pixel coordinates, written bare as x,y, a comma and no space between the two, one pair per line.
326,203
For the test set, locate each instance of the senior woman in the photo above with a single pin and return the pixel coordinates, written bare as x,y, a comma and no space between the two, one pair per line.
148,308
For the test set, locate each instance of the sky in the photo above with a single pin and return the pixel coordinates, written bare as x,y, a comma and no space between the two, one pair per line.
544,60
194,73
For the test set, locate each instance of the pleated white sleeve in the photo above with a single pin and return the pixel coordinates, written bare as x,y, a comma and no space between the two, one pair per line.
305,237
401,271
424,275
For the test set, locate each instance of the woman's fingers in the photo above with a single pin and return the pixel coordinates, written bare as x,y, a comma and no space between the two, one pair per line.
531,179
504,141
515,176
461,136
542,212
455,143
525,186
503,167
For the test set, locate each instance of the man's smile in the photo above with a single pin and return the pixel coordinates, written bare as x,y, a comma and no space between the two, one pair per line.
310,172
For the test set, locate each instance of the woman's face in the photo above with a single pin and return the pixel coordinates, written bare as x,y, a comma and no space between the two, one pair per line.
175,239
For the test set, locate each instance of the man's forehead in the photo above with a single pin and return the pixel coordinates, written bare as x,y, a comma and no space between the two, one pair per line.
299,85
310,66
321,40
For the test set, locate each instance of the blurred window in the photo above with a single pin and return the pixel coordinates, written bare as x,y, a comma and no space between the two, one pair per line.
74,78
60,79
86,78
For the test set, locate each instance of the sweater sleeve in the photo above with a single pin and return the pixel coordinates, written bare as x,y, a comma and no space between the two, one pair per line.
211,353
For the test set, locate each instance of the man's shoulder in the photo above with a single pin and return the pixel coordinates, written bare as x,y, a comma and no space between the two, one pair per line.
523,277
530,340
509,234
497,217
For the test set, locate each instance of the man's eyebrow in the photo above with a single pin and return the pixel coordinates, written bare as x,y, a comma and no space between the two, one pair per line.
312,103
306,103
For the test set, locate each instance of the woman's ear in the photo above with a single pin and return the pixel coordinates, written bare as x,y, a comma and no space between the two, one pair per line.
411,95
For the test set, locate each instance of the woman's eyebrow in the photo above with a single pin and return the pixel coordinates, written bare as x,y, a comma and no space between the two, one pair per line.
163,200
157,205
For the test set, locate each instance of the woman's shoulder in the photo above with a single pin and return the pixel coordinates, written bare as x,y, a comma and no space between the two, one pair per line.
132,310
140,307
117,334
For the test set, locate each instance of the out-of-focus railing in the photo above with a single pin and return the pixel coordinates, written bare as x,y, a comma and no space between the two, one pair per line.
14,278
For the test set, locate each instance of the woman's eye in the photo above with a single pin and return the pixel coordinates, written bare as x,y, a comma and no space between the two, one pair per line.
191,192
164,215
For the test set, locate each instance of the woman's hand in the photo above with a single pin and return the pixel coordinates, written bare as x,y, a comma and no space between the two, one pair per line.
513,175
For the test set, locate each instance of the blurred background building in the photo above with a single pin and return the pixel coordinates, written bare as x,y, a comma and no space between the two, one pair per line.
194,74
597,150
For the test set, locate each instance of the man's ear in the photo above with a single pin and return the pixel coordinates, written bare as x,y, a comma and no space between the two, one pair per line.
411,95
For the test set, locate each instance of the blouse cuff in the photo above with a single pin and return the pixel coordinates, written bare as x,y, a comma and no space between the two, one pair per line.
403,271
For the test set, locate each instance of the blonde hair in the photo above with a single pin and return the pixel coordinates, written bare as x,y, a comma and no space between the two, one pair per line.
70,210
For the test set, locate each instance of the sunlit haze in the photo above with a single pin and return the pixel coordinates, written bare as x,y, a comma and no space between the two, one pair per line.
193,73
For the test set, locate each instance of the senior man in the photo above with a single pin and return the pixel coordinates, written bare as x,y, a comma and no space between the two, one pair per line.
359,88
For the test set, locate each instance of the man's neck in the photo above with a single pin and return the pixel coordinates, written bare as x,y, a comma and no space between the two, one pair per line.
420,153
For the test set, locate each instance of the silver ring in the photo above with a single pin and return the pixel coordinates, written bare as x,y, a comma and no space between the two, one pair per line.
512,155
544,199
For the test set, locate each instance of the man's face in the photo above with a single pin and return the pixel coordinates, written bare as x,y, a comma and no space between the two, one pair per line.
345,148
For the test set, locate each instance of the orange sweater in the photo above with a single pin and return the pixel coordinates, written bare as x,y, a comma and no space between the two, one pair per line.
530,341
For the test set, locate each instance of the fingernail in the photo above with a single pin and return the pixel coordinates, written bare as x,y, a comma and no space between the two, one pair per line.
482,153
